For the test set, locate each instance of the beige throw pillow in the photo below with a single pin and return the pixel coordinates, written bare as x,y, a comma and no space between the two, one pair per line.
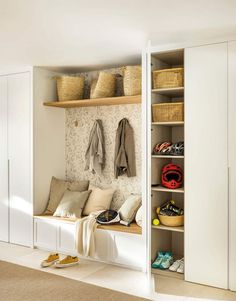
58,188
99,199
139,216
72,204
130,207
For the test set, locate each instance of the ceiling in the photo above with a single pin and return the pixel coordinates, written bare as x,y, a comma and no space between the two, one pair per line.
95,33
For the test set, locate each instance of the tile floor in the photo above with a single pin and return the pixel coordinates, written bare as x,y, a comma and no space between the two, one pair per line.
116,278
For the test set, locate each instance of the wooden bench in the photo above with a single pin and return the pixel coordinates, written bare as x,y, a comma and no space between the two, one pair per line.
116,244
133,228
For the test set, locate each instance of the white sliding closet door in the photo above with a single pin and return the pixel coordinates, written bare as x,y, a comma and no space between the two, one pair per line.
19,142
232,164
206,172
4,212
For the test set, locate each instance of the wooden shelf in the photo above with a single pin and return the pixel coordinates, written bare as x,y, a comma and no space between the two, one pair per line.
164,189
165,228
174,92
167,157
168,273
109,101
173,123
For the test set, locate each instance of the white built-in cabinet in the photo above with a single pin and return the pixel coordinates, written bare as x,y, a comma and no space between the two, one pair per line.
232,161
15,165
4,201
32,140
20,156
206,166
209,95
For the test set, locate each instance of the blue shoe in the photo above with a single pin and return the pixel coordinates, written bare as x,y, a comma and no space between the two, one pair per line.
167,261
158,260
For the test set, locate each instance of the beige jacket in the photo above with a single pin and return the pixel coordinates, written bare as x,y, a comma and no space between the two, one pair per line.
95,153
124,161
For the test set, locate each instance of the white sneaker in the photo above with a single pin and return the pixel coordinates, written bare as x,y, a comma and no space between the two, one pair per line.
175,266
181,267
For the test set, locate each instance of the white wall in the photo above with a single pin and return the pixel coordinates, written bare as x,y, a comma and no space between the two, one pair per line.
49,138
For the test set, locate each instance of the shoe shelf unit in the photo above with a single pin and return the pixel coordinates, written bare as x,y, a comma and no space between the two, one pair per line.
163,238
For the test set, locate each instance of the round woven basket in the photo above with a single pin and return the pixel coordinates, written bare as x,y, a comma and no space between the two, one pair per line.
104,86
70,87
171,221
132,80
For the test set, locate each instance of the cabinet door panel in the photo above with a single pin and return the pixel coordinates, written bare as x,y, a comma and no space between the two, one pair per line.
129,250
206,171
19,138
232,165
45,235
66,238
3,161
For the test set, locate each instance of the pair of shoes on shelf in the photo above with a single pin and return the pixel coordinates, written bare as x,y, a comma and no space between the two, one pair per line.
163,261
177,266
54,259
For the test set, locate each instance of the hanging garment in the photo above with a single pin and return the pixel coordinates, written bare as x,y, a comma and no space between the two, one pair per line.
95,153
124,150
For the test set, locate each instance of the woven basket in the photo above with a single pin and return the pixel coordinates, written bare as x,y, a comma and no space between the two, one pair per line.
92,87
132,80
168,78
171,221
70,87
104,87
167,112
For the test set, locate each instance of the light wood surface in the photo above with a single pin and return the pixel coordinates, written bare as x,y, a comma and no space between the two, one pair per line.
165,228
168,273
164,189
173,123
167,157
133,228
179,91
109,101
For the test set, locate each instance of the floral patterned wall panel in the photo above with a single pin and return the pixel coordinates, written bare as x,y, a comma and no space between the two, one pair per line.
79,122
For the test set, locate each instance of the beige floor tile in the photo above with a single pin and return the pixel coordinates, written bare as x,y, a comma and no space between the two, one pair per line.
117,278
16,251
172,286
77,272
121,279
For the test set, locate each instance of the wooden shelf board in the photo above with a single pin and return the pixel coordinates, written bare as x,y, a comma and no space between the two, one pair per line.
164,189
179,91
165,228
168,273
109,101
173,123
167,156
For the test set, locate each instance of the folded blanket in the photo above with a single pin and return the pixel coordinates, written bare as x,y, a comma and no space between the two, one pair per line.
85,239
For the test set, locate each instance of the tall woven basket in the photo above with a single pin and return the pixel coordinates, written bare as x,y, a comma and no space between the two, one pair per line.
132,80
70,87
104,86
